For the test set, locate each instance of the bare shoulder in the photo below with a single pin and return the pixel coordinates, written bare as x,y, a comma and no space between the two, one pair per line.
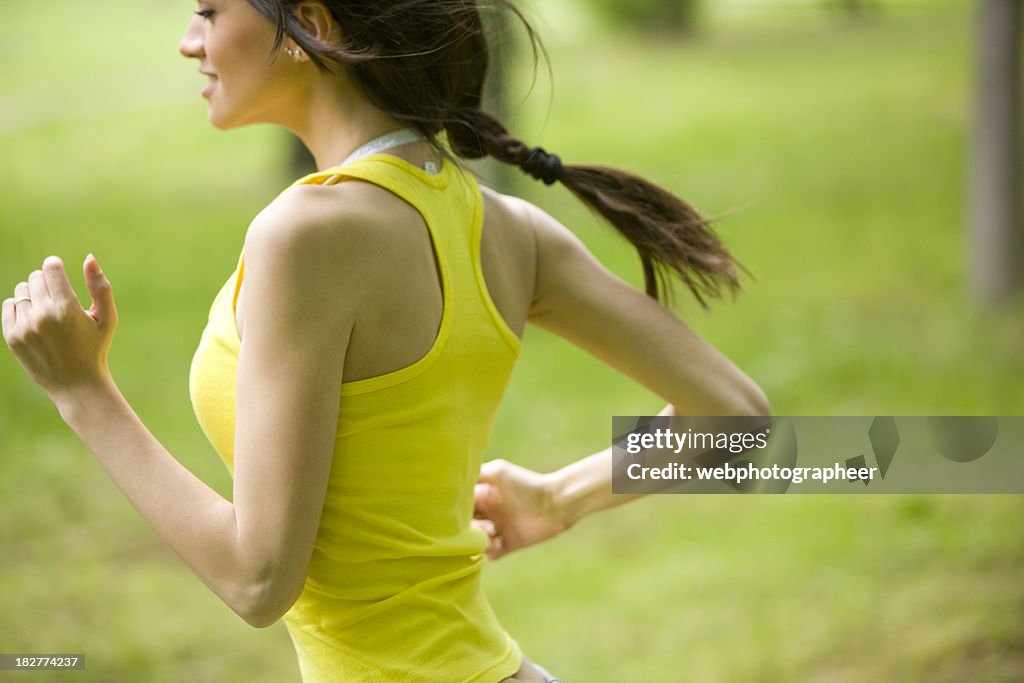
546,232
509,253
506,206
549,255
334,217
339,236
562,259
525,215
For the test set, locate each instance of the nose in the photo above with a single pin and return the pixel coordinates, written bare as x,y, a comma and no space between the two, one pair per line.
191,44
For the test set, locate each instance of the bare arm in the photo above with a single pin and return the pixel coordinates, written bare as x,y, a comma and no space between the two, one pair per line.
252,552
580,300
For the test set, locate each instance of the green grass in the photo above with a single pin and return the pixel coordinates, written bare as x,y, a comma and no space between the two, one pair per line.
844,148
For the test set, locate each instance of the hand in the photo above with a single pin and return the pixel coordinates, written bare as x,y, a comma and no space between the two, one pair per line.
515,506
60,344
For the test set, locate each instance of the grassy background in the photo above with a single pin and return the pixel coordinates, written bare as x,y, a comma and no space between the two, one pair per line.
844,147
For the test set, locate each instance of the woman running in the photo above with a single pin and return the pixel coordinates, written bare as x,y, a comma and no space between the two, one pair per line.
354,359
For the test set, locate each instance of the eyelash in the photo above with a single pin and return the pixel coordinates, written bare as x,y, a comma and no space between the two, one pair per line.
205,13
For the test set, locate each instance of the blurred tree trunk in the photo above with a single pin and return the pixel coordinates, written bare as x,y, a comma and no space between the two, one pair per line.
852,9
671,16
997,233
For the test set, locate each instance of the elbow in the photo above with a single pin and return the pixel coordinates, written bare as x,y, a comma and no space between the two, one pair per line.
262,605
746,401
258,621
758,403
267,589
259,618
749,401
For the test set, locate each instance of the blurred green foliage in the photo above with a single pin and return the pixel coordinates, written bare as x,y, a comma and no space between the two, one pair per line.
836,155
657,16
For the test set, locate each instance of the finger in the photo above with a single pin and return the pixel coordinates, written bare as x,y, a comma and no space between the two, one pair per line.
103,309
22,301
480,494
490,470
485,499
496,548
9,317
57,280
485,525
37,288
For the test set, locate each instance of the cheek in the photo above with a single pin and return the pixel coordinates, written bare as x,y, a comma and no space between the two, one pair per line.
245,66
230,50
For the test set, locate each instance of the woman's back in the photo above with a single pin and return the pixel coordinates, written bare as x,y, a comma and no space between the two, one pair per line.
402,309
393,585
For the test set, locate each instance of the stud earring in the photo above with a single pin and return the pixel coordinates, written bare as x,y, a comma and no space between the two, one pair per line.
295,54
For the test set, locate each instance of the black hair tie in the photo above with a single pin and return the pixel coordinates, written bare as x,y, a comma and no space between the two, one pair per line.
543,166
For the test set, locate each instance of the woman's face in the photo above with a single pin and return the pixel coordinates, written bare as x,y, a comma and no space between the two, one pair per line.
232,42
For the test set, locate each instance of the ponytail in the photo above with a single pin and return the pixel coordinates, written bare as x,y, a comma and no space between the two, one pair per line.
424,62
669,235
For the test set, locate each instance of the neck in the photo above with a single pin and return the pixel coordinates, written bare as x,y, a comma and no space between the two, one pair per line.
336,121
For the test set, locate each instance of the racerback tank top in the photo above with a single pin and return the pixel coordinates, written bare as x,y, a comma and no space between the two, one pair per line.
393,592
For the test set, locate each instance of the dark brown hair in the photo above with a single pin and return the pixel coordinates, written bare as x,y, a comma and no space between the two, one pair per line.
424,62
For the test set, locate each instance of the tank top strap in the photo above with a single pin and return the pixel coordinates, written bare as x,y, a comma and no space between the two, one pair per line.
451,205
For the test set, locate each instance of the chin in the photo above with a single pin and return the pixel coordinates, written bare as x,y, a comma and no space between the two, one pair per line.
219,125
220,121
235,118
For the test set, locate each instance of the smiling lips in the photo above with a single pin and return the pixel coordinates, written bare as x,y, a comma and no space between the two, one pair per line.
209,87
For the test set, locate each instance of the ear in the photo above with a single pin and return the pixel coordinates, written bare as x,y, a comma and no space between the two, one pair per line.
318,21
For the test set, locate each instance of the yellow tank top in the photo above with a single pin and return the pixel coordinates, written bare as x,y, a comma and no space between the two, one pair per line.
393,591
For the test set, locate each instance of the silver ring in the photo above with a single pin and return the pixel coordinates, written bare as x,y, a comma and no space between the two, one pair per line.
22,298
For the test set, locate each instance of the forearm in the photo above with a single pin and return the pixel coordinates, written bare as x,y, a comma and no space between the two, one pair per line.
196,521
585,486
